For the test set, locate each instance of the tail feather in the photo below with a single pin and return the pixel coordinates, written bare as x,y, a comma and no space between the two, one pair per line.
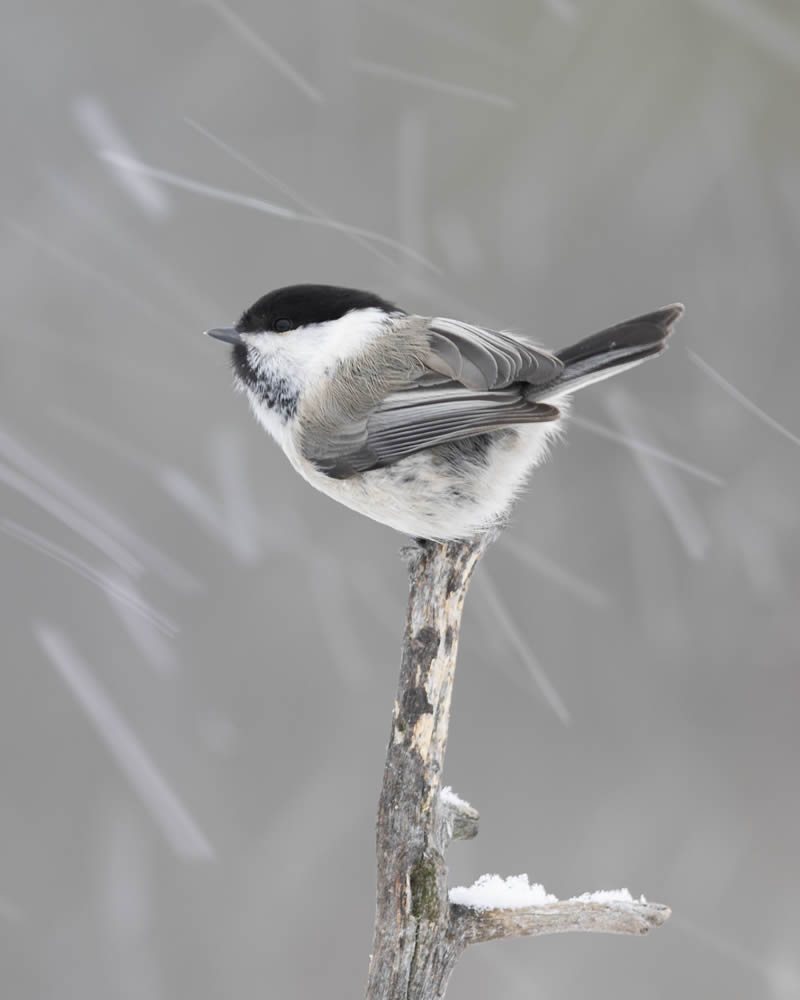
613,350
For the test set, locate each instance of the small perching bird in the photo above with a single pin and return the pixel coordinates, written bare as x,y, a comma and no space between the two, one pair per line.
428,425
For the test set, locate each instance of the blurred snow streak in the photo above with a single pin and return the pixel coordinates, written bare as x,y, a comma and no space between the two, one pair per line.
398,75
258,204
117,588
101,132
740,397
233,519
550,570
510,632
71,518
182,833
634,444
264,49
146,637
666,487
285,189
83,513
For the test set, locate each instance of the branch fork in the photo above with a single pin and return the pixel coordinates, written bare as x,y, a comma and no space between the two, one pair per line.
419,932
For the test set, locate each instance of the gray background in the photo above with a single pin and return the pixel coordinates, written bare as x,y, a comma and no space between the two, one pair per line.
192,815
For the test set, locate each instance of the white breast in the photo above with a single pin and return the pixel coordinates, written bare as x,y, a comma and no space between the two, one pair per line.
272,422
424,497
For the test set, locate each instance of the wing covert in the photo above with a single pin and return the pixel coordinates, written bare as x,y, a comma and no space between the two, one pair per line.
469,381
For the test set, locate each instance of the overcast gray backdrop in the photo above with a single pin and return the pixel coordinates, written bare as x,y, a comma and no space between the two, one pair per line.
200,653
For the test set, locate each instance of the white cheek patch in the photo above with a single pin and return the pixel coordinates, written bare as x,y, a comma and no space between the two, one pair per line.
346,337
311,351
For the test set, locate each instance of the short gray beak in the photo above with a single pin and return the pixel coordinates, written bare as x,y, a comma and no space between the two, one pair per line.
226,333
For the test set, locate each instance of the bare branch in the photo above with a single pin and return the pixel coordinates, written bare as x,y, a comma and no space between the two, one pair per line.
410,957
472,926
461,819
419,933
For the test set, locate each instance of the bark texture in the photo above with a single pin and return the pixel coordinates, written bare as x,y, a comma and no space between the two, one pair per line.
412,955
419,934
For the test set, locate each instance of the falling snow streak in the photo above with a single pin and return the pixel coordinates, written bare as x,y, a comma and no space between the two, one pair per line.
284,188
427,83
740,397
144,634
118,589
666,487
552,571
75,521
278,62
260,205
63,499
634,444
101,132
169,814
77,199
511,632
216,519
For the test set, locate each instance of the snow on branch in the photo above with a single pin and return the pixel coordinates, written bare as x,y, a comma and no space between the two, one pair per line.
494,907
421,927
461,818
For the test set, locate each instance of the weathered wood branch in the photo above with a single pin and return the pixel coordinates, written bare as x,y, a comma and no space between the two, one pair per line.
419,934
411,956
472,926
460,818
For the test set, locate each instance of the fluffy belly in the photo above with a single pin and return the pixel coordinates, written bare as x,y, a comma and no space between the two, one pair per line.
451,491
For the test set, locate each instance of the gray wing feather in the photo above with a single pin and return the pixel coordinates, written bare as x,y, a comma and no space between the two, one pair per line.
444,358
415,420
470,381
392,434
490,359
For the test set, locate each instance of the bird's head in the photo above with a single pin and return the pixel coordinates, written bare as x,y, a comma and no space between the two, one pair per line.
304,329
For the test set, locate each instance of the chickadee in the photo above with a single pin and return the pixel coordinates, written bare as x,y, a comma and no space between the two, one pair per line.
428,425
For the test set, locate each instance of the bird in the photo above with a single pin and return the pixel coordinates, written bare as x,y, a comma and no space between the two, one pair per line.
429,425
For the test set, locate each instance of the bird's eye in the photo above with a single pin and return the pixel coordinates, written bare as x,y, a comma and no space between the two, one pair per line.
283,325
